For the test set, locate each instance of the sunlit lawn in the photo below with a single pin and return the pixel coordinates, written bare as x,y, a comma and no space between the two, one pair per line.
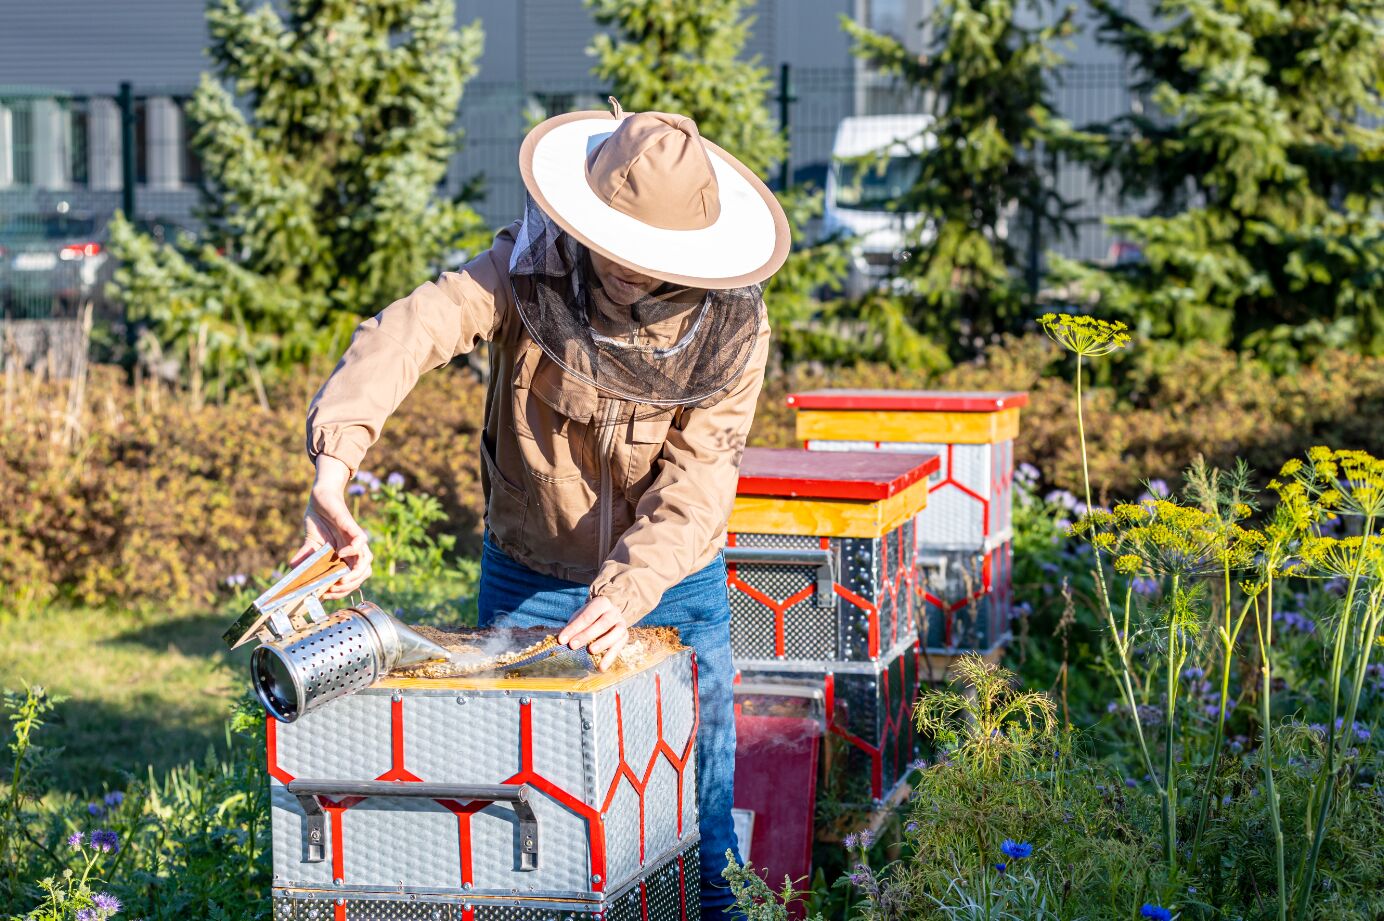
144,689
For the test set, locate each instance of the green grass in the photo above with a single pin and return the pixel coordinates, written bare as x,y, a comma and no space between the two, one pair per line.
147,688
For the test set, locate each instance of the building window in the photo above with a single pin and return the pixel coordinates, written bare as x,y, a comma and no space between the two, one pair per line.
22,150
79,146
192,164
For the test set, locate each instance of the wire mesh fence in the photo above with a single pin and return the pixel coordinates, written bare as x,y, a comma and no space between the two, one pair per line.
63,170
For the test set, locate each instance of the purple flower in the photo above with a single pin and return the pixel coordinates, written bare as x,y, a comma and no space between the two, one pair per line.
1063,498
1022,609
861,876
1131,782
87,914
851,841
867,838
105,840
1159,488
1112,707
1144,585
1192,673
236,580
74,840
1028,472
95,809
1016,850
395,479
114,799
1155,912
917,764
368,478
1212,711
911,827
106,902
355,489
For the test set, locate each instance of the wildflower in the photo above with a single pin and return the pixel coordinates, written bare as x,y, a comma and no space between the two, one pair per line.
861,876
851,841
74,840
867,838
911,827
368,479
236,580
1063,498
1159,488
1193,673
1016,850
1086,336
1028,473
918,764
1225,800
1001,867
105,841
1143,585
355,489
106,902
1131,783
1022,609
87,914
1112,707
395,480
114,799
96,810
1156,912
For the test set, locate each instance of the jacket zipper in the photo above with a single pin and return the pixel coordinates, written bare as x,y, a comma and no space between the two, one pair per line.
607,442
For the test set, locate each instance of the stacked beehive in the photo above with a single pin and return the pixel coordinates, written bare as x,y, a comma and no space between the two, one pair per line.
964,534
474,799
821,569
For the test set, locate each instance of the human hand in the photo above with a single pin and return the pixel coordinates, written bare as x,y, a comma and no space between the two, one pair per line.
329,520
600,627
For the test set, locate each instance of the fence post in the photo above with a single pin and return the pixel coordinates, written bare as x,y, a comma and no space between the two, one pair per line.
127,150
785,100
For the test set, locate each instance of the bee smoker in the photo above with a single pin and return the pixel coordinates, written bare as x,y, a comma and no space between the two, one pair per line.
307,656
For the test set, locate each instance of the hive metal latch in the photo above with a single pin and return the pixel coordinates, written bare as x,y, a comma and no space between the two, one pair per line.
820,557
310,792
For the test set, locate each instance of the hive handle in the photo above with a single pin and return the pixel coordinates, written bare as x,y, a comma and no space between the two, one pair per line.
310,793
820,557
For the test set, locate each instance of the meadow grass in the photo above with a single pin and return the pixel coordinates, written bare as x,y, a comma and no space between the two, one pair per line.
148,688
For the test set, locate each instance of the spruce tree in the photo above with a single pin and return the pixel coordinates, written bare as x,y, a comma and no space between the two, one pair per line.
324,134
987,79
686,56
1258,168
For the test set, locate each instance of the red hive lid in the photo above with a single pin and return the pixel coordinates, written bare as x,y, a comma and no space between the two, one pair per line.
960,401
869,475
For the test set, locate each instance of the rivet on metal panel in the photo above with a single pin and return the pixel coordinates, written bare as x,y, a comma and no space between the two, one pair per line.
466,885
397,698
461,700
595,877
338,881
341,901
586,725
524,701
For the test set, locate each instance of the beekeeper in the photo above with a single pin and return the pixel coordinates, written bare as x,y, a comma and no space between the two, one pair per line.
628,343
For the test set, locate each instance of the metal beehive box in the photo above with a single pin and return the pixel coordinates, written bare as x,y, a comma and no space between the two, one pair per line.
967,598
971,494
606,764
820,556
866,709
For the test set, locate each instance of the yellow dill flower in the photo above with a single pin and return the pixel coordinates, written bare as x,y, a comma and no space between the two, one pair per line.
1128,564
1290,467
1086,336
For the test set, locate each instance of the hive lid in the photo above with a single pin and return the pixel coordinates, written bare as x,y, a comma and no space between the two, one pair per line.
963,401
863,475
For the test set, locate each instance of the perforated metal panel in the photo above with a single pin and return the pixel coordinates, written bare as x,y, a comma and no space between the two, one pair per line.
967,598
776,615
666,891
577,750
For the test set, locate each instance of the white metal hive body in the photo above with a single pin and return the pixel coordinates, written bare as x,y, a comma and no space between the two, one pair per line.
611,770
969,497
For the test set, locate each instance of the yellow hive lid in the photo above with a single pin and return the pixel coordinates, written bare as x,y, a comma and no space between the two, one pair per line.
932,416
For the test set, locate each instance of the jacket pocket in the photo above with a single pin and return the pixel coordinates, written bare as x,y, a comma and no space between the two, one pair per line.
550,444
507,505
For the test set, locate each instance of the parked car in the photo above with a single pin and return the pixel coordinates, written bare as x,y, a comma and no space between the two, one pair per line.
875,161
50,263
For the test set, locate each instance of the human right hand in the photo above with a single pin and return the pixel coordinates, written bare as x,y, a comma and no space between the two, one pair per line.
329,520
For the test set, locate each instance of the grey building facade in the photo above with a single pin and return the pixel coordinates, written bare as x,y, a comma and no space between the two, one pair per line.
61,66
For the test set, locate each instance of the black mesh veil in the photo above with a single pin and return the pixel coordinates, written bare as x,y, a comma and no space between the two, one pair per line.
674,347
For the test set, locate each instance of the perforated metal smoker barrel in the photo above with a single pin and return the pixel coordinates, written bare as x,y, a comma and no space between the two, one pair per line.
337,656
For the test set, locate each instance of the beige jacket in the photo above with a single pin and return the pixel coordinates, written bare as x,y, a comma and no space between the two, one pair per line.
576,485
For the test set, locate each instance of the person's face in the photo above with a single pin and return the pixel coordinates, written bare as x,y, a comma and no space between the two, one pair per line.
622,285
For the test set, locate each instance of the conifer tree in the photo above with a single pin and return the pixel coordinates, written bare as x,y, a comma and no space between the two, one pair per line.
1259,164
988,80
686,56
324,133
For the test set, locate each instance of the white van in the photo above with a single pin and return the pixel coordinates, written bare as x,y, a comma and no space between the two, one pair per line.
861,195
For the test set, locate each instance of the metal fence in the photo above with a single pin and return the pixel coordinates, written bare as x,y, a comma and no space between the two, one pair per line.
62,162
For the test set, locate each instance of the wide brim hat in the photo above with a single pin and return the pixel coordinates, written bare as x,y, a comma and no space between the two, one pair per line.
651,201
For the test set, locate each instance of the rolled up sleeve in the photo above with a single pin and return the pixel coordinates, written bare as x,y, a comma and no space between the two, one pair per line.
390,351
680,521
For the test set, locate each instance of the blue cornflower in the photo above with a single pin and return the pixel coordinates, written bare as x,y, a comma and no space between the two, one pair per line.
1016,850
95,809
114,799
395,479
1001,867
106,902
106,841
1156,912
74,840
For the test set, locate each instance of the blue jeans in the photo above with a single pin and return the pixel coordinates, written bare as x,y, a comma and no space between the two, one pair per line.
699,608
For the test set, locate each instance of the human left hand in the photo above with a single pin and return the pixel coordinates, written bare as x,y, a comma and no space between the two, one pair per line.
600,627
